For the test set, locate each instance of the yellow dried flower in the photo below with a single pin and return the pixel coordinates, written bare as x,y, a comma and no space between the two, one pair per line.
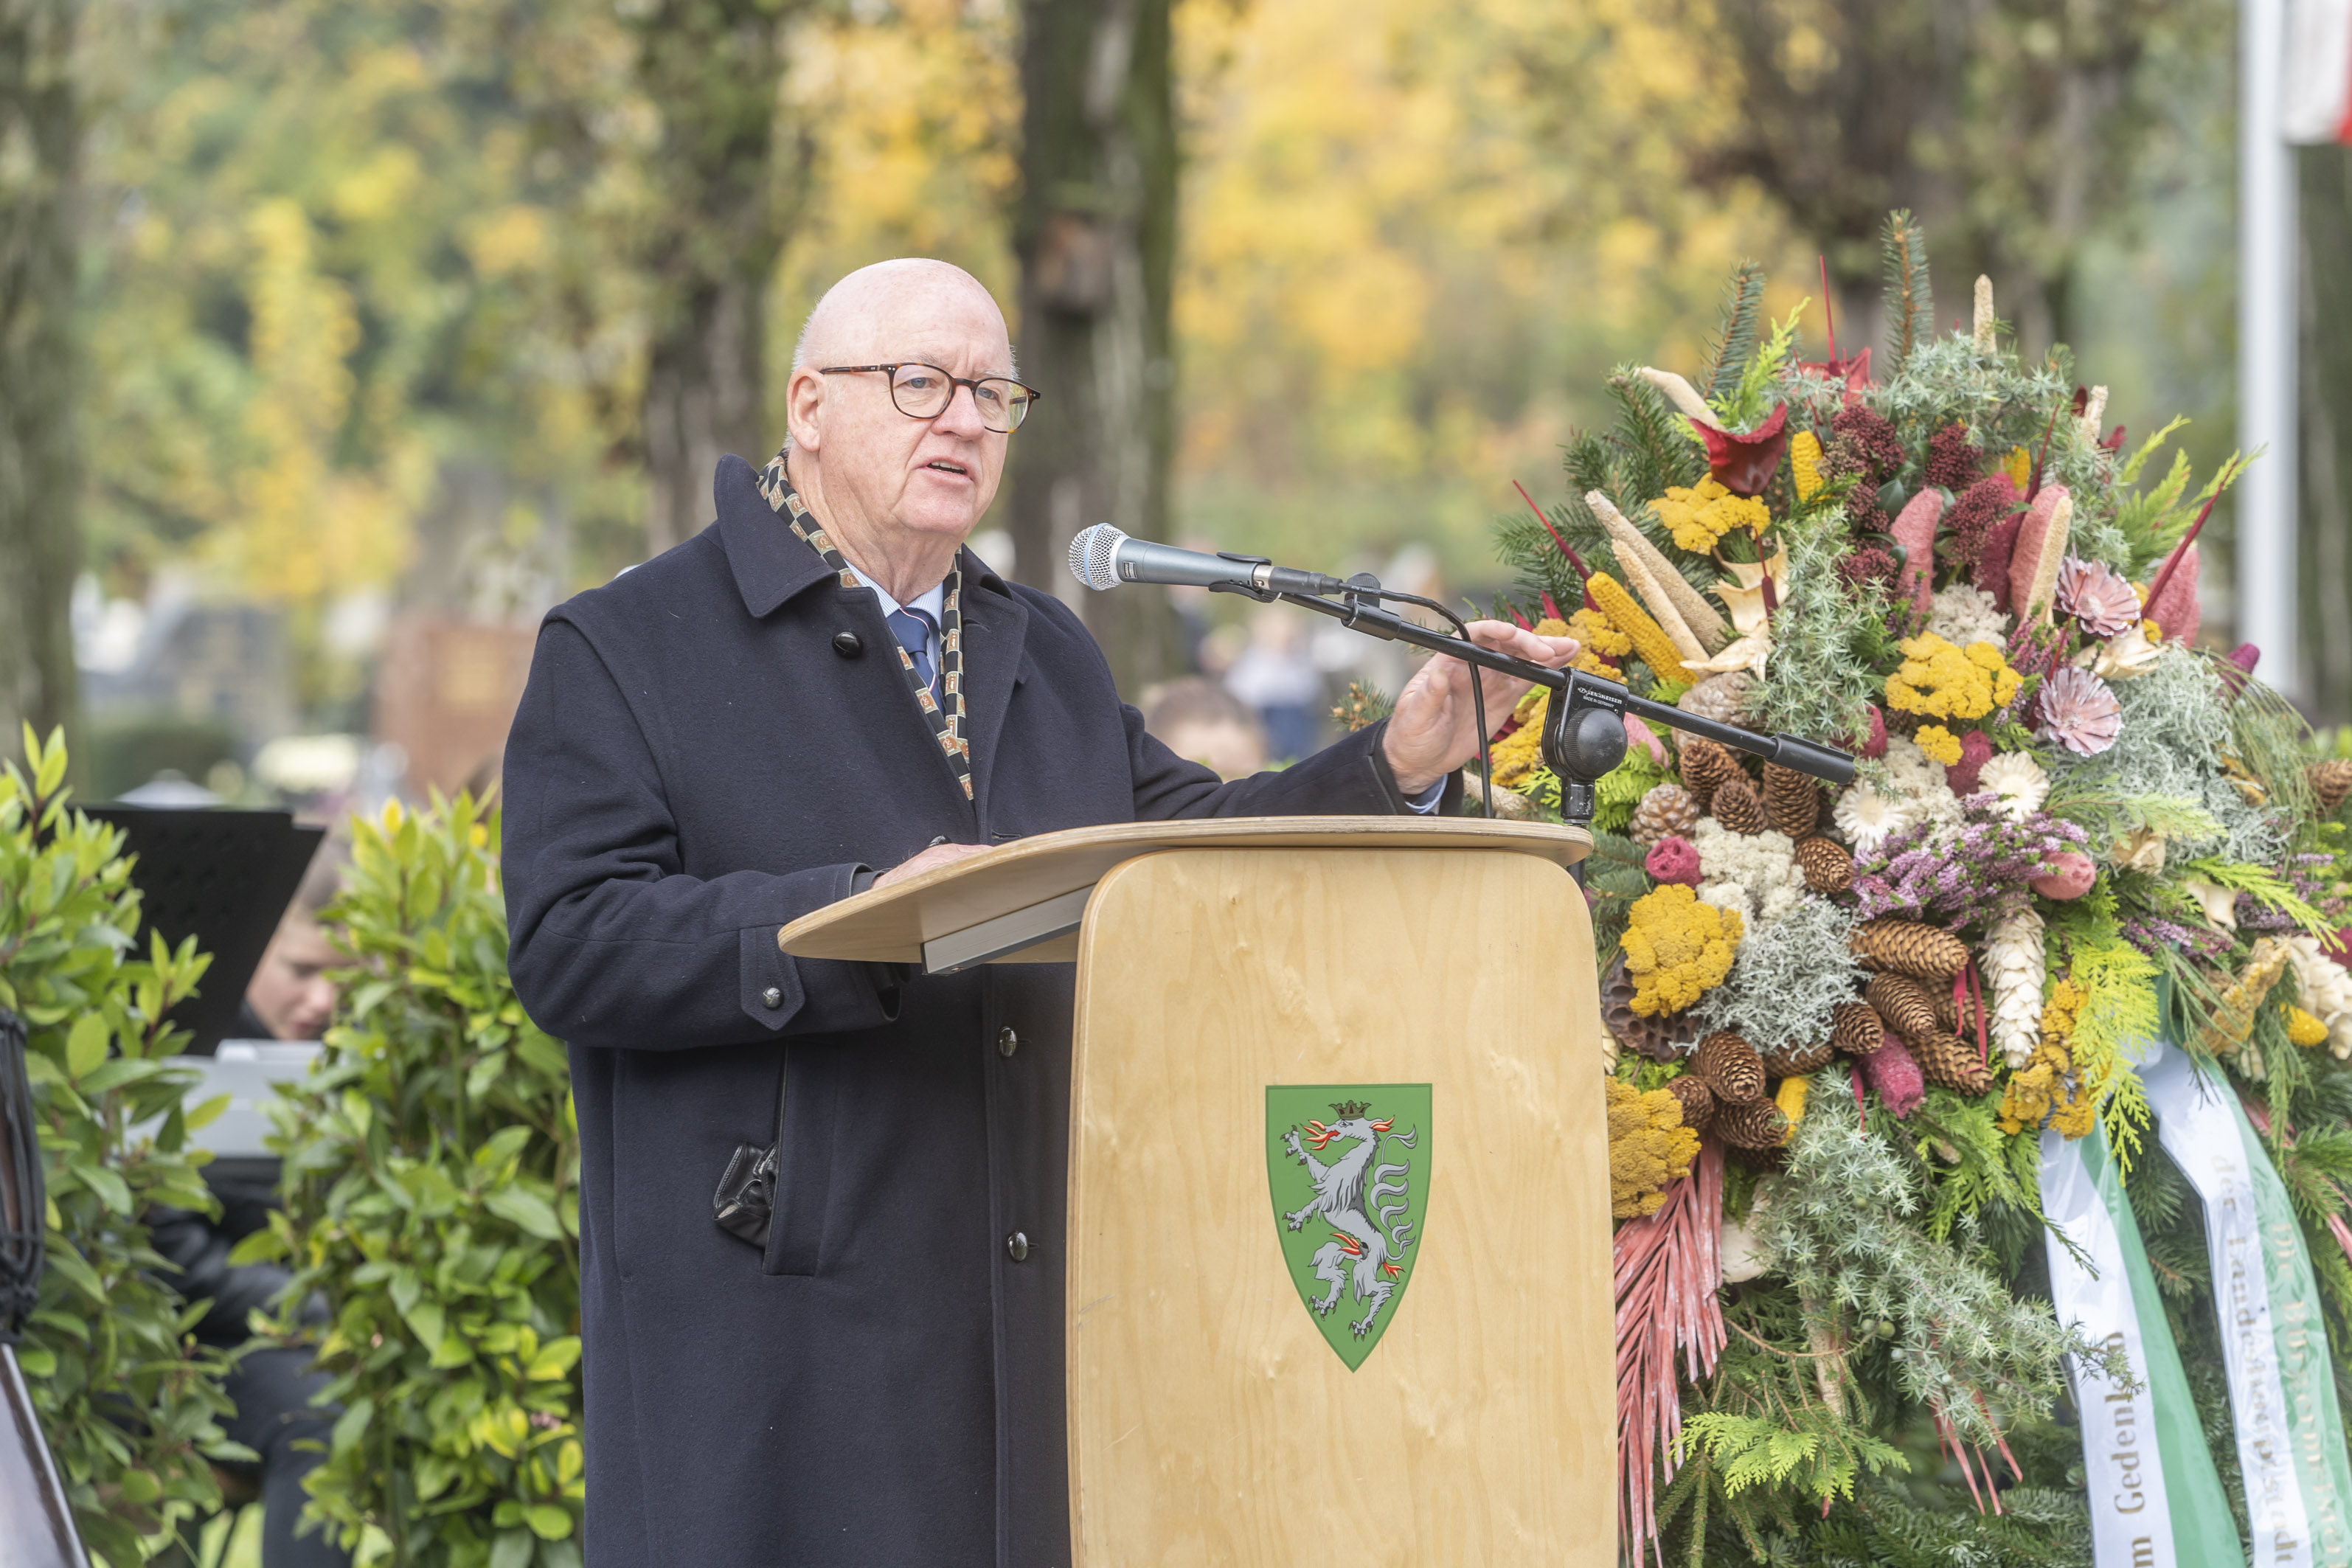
1520,753
1647,638
1805,463
2304,1030
1602,643
1648,1147
1790,1098
1940,745
1677,949
2048,1089
1947,683
2019,467
1704,514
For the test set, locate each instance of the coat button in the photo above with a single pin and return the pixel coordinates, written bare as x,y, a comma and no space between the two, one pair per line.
846,645
1007,1042
1016,1247
772,998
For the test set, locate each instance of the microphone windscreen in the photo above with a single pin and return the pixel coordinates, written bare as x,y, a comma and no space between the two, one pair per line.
1090,556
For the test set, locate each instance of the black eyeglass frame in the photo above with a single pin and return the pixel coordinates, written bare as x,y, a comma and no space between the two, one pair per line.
953,381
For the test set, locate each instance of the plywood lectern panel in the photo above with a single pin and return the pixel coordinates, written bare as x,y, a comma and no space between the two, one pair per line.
1210,1421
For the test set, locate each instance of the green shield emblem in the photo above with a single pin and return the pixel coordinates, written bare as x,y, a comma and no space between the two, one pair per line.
1349,1166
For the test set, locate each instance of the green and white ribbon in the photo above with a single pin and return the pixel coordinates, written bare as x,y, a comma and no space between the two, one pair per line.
2155,1498
2282,1386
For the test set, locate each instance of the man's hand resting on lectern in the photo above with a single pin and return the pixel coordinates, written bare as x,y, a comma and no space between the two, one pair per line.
1434,728
937,854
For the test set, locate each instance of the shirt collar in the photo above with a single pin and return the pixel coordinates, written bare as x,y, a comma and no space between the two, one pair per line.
932,601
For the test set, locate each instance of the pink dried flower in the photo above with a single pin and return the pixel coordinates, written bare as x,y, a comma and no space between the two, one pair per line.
1870,437
2091,592
1871,564
1672,858
1975,515
1894,1073
1914,531
2070,876
1975,750
2174,605
2079,712
1873,745
1951,461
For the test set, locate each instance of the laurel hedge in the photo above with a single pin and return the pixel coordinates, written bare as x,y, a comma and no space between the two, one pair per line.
130,1407
431,1187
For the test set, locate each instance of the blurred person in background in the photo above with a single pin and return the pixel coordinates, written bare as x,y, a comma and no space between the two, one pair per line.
289,997
1276,675
1202,723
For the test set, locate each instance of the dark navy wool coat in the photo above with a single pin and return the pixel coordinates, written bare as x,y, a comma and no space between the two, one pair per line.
694,765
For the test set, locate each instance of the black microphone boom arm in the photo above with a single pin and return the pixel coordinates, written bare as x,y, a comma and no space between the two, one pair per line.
1585,730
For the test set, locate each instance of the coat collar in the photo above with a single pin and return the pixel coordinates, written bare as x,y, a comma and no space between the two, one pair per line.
769,564
771,568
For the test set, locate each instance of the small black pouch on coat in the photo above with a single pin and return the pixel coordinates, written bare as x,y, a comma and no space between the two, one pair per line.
745,1202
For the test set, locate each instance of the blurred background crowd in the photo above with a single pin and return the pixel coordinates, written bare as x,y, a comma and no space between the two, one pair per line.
344,337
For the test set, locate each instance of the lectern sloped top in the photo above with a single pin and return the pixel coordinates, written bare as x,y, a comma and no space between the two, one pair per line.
1023,901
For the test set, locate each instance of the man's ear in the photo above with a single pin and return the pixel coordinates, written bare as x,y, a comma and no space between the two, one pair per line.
804,409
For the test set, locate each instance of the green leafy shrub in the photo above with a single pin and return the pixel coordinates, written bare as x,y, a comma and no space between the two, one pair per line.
130,1405
431,1170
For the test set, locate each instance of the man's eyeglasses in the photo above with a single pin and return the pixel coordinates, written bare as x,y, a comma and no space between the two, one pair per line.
924,391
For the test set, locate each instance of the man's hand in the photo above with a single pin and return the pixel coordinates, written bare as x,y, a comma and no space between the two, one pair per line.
937,854
1434,728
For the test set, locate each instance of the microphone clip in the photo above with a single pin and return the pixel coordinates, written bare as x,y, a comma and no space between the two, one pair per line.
1263,596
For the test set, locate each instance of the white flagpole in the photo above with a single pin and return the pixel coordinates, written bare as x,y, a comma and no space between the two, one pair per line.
2268,555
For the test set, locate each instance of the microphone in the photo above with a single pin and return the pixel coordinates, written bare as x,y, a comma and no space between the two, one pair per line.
1103,557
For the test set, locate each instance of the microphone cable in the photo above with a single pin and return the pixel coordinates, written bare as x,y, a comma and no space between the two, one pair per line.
1477,689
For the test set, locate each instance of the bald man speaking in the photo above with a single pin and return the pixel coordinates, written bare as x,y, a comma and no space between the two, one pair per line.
821,1207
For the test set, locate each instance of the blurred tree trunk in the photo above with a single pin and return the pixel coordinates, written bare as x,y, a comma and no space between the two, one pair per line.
2002,124
2324,176
726,182
40,156
1096,232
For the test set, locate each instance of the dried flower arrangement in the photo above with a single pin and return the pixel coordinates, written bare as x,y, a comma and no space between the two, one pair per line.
2072,831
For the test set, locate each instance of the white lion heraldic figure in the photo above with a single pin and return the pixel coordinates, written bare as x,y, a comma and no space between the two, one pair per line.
1370,1243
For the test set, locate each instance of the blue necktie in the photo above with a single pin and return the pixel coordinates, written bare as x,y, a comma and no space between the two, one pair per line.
914,630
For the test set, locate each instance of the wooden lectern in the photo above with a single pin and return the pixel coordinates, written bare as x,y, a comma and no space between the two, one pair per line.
1338,1271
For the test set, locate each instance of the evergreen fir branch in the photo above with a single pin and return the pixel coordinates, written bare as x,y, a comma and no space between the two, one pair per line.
1910,300
1734,344
1586,461
1655,446
1749,402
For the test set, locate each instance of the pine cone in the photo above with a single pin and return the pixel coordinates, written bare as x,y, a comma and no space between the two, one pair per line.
1905,1005
1738,806
1828,868
1791,800
1707,766
1722,697
1794,1060
1698,1101
1667,811
1659,1036
1908,947
1730,1067
2331,782
1757,1126
1855,1029
1951,1061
